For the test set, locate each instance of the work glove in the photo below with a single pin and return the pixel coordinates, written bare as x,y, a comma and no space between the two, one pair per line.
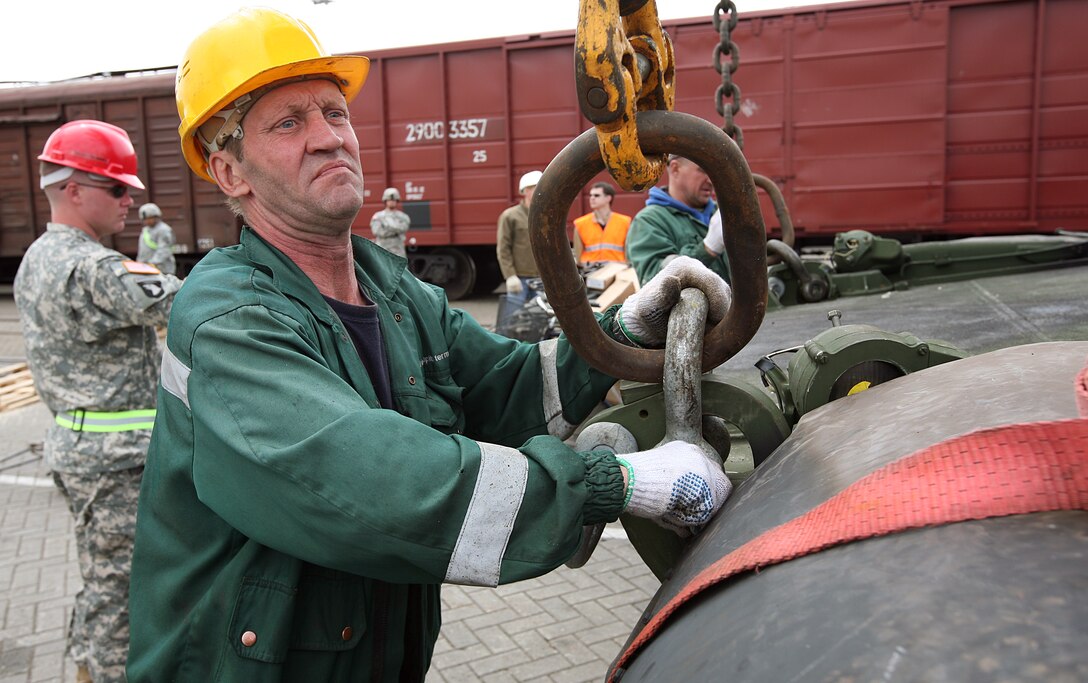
513,285
644,316
715,239
675,485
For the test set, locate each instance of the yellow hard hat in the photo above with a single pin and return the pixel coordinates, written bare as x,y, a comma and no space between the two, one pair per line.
250,49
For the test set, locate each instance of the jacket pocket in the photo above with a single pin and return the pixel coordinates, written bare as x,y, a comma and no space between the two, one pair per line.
260,627
444,400
322,613
330,615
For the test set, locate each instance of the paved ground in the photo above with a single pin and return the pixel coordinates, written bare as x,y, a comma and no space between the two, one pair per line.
563,627
566,626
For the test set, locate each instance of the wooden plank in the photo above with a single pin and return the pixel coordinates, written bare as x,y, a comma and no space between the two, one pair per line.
20,403
14,367
16,387
616,293
20,383
602,277
628,275
15,375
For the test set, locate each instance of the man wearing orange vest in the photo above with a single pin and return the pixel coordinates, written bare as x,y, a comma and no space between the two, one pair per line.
600,234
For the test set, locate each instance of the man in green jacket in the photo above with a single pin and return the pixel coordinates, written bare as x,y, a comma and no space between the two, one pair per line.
679,220
333,442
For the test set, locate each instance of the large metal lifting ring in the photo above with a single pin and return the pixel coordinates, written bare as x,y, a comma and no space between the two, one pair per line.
745,242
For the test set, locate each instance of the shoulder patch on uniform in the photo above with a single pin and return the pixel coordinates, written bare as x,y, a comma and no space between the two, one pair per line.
140,268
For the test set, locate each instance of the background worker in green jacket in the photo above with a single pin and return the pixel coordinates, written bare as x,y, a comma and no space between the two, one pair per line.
675,222
333,441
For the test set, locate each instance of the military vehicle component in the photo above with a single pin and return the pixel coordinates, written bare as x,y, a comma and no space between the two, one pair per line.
863,263
994,598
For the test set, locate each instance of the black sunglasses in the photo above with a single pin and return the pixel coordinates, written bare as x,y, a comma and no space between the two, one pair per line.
116,191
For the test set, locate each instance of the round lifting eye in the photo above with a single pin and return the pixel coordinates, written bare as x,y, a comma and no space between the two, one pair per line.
852,244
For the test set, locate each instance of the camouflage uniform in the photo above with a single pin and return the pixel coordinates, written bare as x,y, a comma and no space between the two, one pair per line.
157,247
389,227
88,318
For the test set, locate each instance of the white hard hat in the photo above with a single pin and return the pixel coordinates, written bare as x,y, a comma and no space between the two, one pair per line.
391,193
150,210
530,179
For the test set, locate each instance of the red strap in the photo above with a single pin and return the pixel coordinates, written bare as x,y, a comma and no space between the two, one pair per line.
1009,470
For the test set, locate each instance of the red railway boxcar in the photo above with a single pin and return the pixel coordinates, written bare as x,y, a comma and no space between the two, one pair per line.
916,118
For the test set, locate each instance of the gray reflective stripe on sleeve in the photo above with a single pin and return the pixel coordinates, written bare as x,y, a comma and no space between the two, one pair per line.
175,377
553,405
485,533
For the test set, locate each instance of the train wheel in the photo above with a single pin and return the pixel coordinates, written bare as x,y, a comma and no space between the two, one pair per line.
461,273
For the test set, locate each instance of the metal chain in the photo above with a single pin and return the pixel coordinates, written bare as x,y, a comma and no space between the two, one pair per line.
728,90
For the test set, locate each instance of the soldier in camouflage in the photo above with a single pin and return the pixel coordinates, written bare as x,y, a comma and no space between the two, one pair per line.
156,240
89,317
391,224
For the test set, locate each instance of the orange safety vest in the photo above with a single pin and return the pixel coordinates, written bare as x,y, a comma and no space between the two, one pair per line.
602,244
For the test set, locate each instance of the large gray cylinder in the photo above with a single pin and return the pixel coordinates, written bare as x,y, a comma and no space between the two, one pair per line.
990,600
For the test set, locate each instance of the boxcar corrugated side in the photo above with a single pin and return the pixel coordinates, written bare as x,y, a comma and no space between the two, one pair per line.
917,118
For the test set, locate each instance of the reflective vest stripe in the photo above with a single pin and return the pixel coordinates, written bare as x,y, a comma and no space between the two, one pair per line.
122,421
485,532
553,404
174,376
602,246
145,235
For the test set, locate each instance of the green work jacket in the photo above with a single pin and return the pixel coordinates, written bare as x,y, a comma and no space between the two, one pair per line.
658,232
290,529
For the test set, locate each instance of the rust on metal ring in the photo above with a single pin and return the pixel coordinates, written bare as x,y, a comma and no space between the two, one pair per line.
659,132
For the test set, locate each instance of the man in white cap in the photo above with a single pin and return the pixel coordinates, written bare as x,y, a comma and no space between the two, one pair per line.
512,246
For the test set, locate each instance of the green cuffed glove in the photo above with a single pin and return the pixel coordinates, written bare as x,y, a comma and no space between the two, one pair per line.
675,485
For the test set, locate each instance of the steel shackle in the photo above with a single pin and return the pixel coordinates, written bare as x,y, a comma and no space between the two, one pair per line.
682,388
682,381
745,242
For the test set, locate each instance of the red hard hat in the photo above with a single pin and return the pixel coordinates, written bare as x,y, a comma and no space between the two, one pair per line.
94,147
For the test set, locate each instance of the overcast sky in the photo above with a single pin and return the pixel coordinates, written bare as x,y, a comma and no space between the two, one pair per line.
45,40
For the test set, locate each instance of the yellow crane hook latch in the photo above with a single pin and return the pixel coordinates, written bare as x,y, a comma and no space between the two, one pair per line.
623,65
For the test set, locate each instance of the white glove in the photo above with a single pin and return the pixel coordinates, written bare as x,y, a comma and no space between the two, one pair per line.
715,240
513,285
675,485
644,315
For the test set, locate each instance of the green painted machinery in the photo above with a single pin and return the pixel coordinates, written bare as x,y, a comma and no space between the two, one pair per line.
862,263
745,422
